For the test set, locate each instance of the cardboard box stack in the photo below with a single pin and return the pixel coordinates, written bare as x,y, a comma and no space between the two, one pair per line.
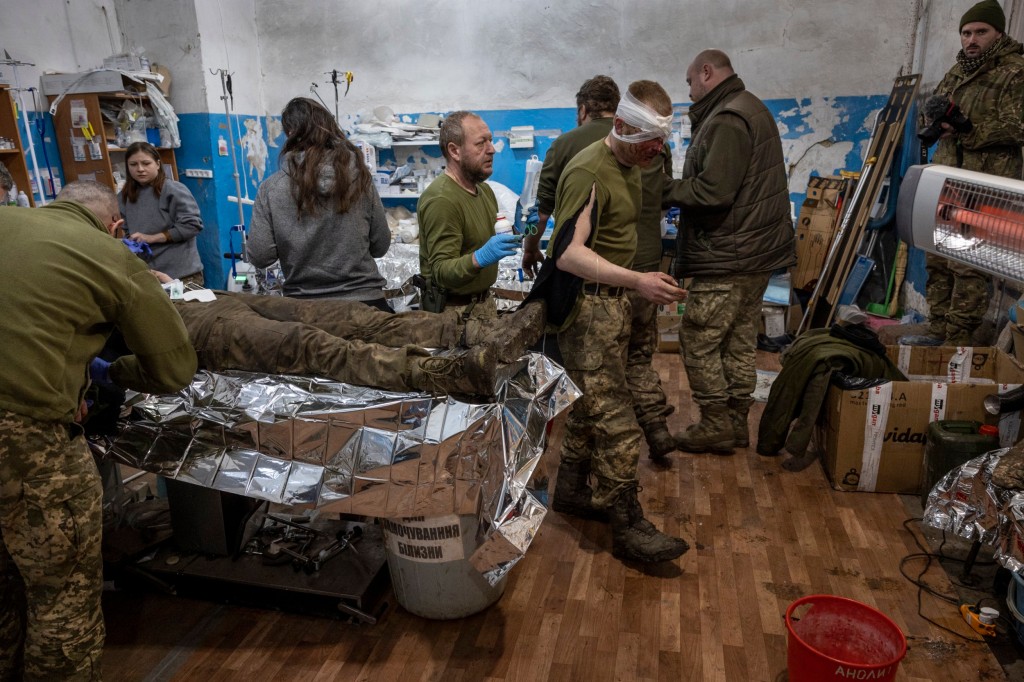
815,228
875,438
668,327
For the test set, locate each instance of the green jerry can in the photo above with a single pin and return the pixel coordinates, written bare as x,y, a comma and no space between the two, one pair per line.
950,444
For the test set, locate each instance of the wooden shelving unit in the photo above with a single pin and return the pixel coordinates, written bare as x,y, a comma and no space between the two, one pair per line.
13,159
109,167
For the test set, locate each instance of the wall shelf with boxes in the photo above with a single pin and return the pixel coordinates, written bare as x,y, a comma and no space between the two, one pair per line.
12,154
411,186
89,143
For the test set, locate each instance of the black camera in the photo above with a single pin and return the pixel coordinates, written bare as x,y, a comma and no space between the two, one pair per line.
938,110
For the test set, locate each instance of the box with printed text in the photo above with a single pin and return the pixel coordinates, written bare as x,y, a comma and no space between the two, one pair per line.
874,438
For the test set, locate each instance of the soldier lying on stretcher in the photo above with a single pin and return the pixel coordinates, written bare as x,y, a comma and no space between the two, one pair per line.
357,344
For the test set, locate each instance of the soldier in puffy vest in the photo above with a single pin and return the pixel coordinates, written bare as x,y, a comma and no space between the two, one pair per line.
736,229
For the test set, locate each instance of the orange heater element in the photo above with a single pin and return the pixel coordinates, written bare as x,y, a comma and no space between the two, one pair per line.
996,225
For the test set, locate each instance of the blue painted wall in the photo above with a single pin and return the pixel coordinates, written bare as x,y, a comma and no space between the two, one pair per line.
848,120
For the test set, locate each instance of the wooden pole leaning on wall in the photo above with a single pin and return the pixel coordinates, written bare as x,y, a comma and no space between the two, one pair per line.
842,255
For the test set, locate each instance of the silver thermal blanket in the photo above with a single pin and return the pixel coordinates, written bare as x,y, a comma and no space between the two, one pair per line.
966,503
316,443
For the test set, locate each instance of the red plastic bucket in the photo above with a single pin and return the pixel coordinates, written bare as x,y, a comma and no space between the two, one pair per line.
835,638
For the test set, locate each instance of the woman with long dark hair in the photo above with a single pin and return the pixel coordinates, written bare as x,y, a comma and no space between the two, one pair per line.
161,212
320,215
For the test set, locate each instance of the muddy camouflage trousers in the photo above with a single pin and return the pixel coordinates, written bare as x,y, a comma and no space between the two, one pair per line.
718,336
344,340
51,568
957,298
601,427
649,402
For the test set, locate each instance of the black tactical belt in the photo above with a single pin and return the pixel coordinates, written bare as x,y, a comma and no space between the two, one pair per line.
594,289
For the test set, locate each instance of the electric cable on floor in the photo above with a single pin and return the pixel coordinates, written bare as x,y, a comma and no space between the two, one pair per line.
928,556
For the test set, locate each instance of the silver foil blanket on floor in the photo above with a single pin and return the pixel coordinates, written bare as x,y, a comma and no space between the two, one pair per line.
317,443
966,503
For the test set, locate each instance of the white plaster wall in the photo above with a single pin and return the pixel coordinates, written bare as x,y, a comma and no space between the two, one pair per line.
57,35
167,32
230,42
438,55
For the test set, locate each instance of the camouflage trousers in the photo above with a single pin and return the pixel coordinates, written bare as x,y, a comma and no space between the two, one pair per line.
649,402
601,427
51,568
718,336
344,340
957,298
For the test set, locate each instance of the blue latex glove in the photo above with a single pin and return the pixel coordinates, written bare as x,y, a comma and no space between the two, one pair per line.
672,215
526,220
99,371
140,249
497,247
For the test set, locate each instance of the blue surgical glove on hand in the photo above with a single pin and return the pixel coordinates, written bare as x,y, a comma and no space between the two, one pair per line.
673,214
497,247
526,219
99,371
140,249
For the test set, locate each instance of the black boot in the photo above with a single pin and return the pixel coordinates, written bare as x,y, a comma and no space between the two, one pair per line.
659,441
739,408
466,373
713,433
634,538
511,334
573,492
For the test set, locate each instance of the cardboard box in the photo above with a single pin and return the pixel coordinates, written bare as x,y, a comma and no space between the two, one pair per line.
1017,334
99,81
875,438
815,228
669,317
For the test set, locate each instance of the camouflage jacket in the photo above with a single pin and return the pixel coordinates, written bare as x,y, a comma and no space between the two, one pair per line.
993,98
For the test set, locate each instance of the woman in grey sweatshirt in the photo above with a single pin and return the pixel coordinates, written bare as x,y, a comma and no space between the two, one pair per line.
161,212
320,214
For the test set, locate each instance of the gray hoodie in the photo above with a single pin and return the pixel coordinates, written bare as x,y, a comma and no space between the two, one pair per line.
327,254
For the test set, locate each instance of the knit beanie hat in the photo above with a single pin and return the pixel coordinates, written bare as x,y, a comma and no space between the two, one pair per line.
987,11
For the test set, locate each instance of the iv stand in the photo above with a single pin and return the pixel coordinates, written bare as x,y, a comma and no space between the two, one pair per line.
226,95
14,64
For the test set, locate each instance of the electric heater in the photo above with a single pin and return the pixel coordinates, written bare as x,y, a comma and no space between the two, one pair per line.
968,217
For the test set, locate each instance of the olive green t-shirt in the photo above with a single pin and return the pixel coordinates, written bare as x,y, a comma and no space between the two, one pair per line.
561,152
454,224
569,144
617,204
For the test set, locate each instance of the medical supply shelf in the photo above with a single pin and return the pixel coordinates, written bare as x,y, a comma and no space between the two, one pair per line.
13,159
110,164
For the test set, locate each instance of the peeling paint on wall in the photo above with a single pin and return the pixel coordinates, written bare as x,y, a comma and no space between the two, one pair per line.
819,134
255,148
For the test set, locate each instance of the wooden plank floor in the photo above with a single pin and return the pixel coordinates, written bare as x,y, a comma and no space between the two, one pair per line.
761,537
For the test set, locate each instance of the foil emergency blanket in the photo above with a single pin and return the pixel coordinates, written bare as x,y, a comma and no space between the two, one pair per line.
316,443
966,503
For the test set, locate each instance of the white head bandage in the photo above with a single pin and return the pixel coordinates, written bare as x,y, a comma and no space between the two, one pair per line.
639,115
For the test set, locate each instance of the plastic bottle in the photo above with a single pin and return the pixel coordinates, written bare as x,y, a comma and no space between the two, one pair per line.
12,196
502,225
23,199
222,146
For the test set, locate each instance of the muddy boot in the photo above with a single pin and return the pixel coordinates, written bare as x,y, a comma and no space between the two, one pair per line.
739,408
511,334
634,538
714,432
469,373
659,441
573,492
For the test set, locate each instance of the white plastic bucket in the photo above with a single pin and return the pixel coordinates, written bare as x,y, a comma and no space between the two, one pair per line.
428,559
